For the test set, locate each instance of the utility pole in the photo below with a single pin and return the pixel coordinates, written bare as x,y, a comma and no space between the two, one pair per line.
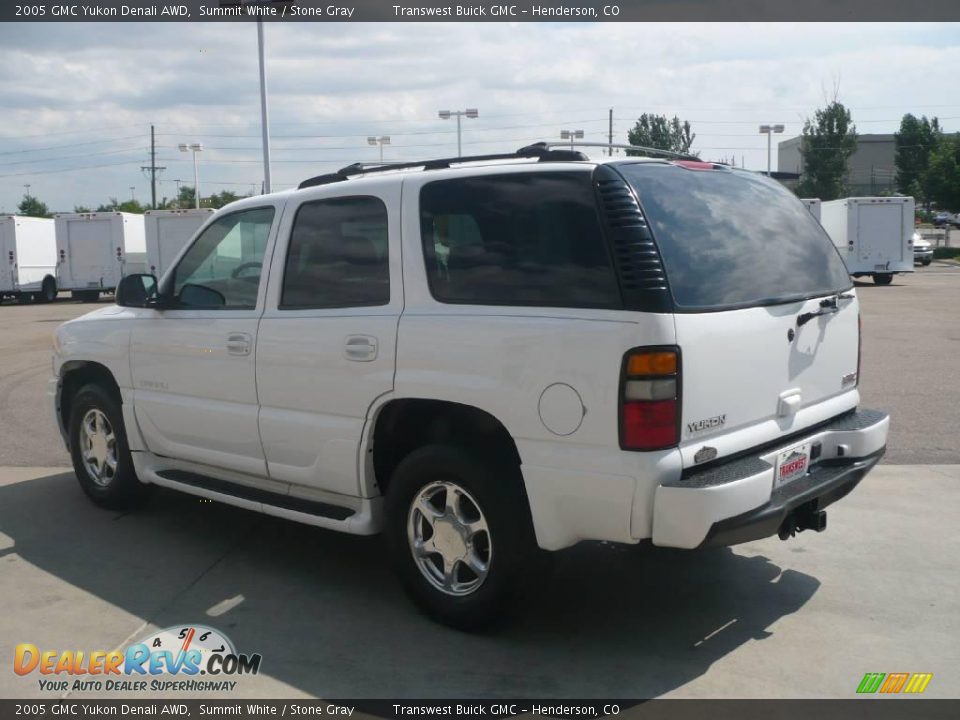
152,167
610,135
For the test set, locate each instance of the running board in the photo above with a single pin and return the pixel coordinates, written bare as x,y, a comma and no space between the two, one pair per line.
252,494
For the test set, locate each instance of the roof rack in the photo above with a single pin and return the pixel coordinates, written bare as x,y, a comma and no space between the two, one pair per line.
543,152
639,149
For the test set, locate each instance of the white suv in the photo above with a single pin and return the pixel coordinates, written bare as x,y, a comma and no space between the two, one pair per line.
484,358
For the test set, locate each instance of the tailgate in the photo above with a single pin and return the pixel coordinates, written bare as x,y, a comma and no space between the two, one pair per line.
746,382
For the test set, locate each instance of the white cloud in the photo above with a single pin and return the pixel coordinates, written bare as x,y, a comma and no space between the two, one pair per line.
332,85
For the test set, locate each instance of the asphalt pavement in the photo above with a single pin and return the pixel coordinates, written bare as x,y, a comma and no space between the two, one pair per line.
879,591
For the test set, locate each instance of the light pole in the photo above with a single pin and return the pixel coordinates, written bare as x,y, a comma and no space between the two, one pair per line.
571,135
381,141
27,186
195,148
768,130
133,193
471,113
277,6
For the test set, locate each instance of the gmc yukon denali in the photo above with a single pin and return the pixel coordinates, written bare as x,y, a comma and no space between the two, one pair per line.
485,359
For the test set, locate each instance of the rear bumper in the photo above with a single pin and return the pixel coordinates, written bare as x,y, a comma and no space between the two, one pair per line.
734,501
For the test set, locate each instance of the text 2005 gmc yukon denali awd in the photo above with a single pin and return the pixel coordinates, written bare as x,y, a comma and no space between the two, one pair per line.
486,357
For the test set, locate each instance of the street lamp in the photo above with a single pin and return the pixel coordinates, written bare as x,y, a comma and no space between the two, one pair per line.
471,113
195,148
571,135
264,113
133,193
768,130
381,141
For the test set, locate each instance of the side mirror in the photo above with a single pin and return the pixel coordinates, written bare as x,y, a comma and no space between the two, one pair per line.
136,290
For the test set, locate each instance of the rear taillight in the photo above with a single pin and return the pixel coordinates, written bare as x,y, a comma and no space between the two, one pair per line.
650,399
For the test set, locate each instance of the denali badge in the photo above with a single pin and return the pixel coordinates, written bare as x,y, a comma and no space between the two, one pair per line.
705,453
716,421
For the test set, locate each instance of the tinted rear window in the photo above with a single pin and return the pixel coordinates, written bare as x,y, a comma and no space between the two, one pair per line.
516,239
731,238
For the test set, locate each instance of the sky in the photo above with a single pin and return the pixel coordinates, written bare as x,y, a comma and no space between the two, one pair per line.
77,100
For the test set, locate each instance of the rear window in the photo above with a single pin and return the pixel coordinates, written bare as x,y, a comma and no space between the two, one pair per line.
734,239
516,239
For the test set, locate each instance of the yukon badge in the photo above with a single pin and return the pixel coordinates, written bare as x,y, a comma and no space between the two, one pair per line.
707,424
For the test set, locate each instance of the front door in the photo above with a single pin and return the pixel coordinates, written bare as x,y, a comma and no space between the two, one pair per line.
193,364
326,346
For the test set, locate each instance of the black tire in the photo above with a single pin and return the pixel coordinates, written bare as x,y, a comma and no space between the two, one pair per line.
926,262
119,490
512,555
883,278
48,290
25,298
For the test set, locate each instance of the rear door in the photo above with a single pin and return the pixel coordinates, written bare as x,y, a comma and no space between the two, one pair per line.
879,236
8,254
747,265
89,251
326,346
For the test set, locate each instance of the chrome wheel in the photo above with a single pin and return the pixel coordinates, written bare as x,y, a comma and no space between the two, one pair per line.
449,538
98,447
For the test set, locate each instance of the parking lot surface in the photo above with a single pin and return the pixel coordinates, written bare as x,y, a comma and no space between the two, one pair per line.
879,591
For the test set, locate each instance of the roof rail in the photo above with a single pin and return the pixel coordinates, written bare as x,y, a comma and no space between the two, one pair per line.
542,152
639,149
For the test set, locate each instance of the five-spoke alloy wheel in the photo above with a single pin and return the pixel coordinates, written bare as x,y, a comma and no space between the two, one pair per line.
98,448
459,534
449,538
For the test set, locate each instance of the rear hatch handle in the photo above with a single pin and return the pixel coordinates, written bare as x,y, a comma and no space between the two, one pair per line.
828,306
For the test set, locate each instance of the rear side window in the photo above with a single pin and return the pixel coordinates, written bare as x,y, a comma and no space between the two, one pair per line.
338,255
516,239
734,239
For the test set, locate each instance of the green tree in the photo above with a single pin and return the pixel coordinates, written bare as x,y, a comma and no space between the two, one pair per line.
915,141
81,209
943,174
218,200
829,139
185,196
30,206
657,131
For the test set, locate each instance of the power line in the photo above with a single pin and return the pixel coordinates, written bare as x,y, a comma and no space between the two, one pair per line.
70,145
71,157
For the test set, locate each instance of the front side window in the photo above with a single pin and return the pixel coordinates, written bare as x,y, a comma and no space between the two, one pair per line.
530,239
222,268
338,255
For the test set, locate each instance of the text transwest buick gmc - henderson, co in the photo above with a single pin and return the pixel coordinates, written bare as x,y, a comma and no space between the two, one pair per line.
485,358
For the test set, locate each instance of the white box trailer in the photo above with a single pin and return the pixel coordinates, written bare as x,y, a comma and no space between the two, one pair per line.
167,232
873,234
95,250
28,258
813,206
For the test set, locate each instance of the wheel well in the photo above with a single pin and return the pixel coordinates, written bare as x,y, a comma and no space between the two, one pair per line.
404,425
78,374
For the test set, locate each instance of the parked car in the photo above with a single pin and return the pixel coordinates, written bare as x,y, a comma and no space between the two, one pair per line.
922,250
485,359
945,219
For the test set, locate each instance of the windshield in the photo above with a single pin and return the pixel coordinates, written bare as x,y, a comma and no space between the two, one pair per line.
734,239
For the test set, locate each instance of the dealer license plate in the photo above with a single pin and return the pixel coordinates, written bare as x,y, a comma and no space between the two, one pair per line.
792,464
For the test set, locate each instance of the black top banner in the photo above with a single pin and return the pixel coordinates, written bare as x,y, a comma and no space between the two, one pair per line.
407,11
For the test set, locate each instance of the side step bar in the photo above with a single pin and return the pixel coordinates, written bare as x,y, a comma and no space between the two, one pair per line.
245,492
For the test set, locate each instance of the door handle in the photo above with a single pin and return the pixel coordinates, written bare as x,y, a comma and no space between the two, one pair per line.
360,348
239,343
